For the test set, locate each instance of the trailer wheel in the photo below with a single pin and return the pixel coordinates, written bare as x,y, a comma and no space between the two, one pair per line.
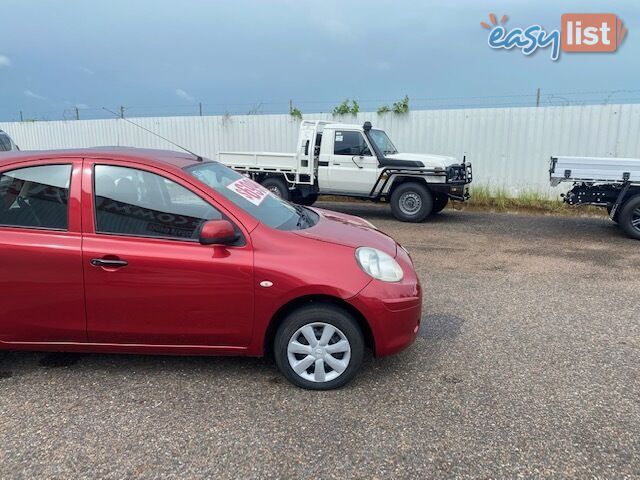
629,218
439,202
277,186
411,202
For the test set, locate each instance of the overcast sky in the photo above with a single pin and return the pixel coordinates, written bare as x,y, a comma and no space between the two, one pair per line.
256,54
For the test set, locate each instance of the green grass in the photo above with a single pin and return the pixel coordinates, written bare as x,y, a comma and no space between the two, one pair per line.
499,200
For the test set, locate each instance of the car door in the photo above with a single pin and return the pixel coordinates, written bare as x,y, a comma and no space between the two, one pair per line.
352,166
147,278
40,252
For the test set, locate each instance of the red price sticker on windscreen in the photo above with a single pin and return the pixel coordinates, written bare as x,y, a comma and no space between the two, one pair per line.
249,190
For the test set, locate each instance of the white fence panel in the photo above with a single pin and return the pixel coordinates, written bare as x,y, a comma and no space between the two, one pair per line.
509,147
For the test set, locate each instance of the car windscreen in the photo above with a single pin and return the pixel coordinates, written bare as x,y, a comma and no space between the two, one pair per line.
382,141
253,198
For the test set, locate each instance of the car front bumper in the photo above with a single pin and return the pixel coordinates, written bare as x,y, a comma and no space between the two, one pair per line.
392,310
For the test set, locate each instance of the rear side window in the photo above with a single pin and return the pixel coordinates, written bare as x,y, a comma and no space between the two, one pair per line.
133,202
35,197
350,143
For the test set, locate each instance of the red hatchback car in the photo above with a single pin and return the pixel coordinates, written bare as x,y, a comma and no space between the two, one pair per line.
141,251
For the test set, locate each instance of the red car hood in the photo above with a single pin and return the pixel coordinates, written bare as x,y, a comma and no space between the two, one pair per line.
348,230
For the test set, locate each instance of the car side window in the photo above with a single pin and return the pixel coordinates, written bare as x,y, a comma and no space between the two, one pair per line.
133,202
35,197
350,143
5,142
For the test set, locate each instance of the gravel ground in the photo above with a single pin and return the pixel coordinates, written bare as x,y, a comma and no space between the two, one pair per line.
526,366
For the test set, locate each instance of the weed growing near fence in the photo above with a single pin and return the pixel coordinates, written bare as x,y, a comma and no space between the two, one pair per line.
499,200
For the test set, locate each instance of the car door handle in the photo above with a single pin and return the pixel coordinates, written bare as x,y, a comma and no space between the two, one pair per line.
102,262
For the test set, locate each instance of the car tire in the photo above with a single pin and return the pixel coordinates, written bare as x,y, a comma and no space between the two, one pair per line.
294,347
411,202
277,186
629,218
439,203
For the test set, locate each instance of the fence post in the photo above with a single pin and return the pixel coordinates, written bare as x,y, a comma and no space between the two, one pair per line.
538,97
121,111
200,108
77,113
21,116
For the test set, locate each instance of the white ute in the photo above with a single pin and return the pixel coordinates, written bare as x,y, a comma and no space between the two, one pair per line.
356,161
608,182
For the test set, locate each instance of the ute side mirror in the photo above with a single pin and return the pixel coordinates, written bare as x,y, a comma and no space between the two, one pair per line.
218,232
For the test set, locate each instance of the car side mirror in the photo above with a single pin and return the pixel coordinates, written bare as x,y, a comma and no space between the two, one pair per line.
218,232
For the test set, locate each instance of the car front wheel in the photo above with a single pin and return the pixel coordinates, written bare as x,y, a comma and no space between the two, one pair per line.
319,347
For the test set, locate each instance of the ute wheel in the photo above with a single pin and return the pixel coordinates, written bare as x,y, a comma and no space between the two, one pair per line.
319,347
439,202
277,186
629,217
411,202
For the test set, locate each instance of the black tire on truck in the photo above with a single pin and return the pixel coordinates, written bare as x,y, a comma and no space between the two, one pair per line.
411,202
629,218
439,202
277,186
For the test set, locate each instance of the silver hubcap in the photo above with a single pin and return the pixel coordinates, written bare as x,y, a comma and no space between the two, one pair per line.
275,190
319,352
410,203
635,219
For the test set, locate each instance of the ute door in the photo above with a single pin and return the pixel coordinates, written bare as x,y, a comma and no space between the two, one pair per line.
147,278
353,169
41,280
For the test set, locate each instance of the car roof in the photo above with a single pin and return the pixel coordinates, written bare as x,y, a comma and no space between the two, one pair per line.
158,158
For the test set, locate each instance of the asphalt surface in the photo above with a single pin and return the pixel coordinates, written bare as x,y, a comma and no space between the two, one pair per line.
526,366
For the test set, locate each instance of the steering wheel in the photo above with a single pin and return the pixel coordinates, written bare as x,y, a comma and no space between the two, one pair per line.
22,203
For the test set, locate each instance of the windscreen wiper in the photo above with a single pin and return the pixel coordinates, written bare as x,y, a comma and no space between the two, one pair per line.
304,216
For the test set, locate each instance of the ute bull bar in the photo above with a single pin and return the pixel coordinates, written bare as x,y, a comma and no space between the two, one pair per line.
456,177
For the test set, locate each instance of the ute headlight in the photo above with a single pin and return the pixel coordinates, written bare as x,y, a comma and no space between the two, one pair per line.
378,264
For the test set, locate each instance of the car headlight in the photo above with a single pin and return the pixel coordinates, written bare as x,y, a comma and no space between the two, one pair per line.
378,264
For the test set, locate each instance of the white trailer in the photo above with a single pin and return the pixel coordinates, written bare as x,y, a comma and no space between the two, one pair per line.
613,183
356,161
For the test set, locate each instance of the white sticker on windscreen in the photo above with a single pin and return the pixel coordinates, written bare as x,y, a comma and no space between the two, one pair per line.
249,190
